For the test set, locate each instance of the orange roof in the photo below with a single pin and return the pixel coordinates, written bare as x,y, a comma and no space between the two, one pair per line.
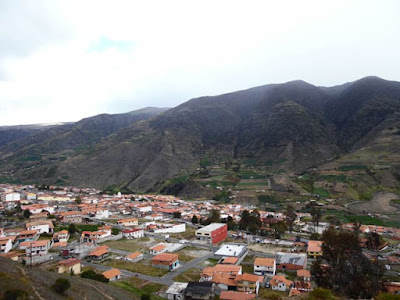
133,255
303,273
98,252
247,277
314,246
35,243
127,220
230,260
232,295
158,247
227,268
266,262
224,278
168,257
278,278
111,273
70,213
69,262
25,232
60,244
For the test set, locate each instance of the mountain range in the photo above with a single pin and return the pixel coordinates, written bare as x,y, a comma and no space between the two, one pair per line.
275,138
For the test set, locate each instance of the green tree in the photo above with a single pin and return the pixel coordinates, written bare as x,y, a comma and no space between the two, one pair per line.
61,285
15,294
71,228
290,216
214,217
316,216
78,200
27,213
177,214
145,297
194,219
93,275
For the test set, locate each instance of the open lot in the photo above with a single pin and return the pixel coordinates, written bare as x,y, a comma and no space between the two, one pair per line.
190,275
127,245
140,287
142,267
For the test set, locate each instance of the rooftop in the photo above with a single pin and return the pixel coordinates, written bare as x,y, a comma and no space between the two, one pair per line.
211,227
231,250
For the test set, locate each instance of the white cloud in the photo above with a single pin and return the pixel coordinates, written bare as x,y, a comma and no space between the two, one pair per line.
73,59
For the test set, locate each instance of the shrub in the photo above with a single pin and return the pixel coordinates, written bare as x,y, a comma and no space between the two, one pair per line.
320,294
15,295
94,276
145,297
61,285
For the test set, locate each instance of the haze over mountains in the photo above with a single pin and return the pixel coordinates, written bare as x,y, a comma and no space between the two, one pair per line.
277,129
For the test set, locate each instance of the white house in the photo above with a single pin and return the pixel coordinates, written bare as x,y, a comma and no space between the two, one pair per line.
143,208
157,249
264,266
36,248
176,291
112,275
280,283
13,197
170,228
134,233
45,226
5,244
128,222
134,257
61,236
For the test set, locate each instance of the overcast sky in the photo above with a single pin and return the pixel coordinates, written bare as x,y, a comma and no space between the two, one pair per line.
66,60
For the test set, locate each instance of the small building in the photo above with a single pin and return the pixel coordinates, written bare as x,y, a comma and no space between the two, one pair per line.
248,283
128,222
314,249
232,250
200,291
61,236
280,283
303,281
71,217
27,235
231,270
133,233
230,260
176,291
134,257
35,248
5,244
99,253
157,249
70,265
213,233
112,275
233,295
264,266
168,261
45,226
291,261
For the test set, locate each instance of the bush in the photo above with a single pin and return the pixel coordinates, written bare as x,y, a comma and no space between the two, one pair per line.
15,295
387,296
94,276
145,297
320,294
61,285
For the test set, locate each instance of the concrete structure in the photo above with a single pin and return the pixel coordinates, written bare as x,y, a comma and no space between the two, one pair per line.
157,249
280,283
168,261
70,266
170,228
5,244
36,248
213,233
264,266
45,226
71,217
128,222
200,291
291,261
27,235
176,291
12,197
61,236
134,257
133,233
248,283
233,250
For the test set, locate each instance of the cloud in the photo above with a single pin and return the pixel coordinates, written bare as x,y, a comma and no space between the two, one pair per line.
71,59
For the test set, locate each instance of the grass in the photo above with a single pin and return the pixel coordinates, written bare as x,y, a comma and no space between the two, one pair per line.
367,220
183,257
353,168
139,289
248,269
125,245
270,294
321,191
190,275
210,262
138,267
188,234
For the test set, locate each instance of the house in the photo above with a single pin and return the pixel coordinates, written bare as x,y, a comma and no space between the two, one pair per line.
93,236
264,266
176,291
42,216
133,233
314,249
12,197
280,283
99,253
392,287
231,270
232,250
248,283
233,295
6,244
106,228
70,266
134,257
61,236
157,249
128,222
27,235
200,291
168,261
35,248
291,261
230,260
213,233
71,217
112,275
11,255
97,213
303,281
45,226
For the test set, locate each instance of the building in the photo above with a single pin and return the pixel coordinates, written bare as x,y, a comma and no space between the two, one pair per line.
280,283
200,291
27,235
232,250
70,266
45,226
157,249
248,283
128,222
133,233
13,197
61,236
176,291
264,266
231,270
314,249
94,236
36,248
168,261
112,275
170,228
233,295
71,217
303,281
291,261
213,233
134,257
5,244
99,253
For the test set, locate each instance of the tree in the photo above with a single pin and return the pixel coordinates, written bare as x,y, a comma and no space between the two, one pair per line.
61,285
279,229
250,221
373,241
145,297
214,216
316,216
93,275
78,200
71,228
231,223
177,214
290,216
348,272
15,294
27,213
194,219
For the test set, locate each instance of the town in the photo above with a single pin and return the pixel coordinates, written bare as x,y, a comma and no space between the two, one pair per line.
183,249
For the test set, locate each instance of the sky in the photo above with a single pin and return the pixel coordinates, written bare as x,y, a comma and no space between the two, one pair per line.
62,61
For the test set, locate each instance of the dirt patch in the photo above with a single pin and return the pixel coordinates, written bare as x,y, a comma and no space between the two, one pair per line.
266,248
379,204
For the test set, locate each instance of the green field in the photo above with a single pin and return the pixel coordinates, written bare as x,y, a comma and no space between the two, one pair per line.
190,275
138,267
140,287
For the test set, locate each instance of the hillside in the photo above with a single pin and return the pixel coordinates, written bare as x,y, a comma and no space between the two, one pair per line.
273,141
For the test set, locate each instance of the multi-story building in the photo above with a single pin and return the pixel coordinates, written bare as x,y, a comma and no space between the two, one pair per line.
213,233
167,261
248,283
71,217
264,266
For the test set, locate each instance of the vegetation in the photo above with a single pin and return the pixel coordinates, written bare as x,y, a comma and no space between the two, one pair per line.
192,274
61,285
139,267
353,168
250,222
15,294
94,276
